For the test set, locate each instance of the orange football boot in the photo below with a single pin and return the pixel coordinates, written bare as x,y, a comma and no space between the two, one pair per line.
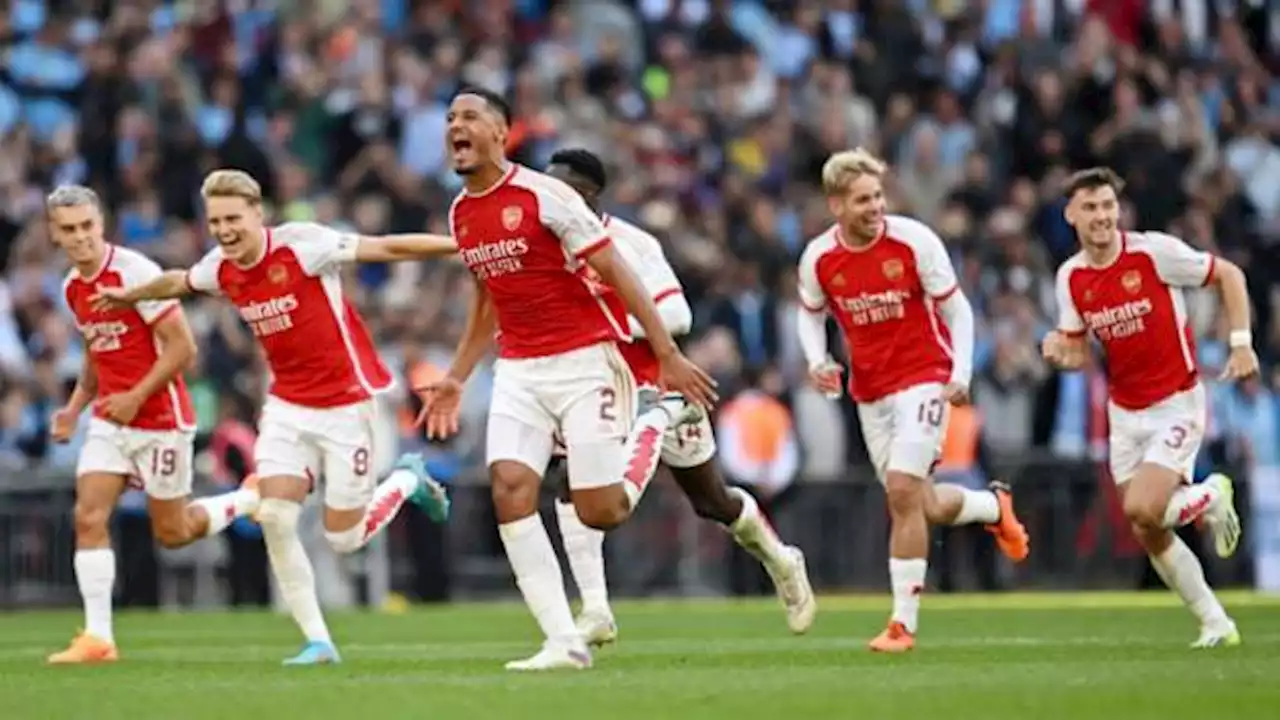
895,639
86,649
1011,536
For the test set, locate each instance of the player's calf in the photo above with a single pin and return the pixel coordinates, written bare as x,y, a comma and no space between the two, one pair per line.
603,508
908,564
95,568
278,514
515,488
177,522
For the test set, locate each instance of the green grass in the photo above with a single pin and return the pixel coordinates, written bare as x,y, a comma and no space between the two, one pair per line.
1057,656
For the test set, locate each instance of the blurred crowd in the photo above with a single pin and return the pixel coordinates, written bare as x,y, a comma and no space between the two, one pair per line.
714,118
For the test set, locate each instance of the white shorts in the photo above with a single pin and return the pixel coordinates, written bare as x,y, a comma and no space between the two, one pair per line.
586,396
161,460
904,431
1167,434
336,443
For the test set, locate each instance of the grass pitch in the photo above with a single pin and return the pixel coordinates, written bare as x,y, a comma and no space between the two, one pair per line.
1057,656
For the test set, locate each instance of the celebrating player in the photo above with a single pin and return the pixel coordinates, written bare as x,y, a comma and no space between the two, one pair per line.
143,423
1125,288
909,333
319,416
528,238
688,448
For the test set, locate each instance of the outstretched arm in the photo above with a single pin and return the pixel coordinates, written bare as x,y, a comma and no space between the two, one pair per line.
396,248
168,285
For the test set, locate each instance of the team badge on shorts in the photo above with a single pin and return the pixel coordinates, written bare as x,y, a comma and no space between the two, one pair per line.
892,269
512,215
1132,281
278,274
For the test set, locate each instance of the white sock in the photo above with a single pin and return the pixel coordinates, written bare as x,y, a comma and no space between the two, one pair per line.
538,576
388,498
907,579
292,567
753,532
585,548
1181,571
225,508
96,577
977,506
643,450
1190,502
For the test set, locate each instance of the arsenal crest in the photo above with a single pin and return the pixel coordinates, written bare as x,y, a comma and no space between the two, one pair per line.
512,215
1131,281
278,274
892,269
838,280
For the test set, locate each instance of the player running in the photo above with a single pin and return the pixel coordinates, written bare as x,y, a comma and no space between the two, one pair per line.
909,333
320,414
688,448
1125,289
528,238
143,424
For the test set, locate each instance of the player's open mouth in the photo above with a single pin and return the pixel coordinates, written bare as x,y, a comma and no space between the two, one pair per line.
459,145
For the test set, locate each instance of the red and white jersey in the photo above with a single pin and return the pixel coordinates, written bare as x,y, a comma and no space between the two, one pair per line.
884,296
122,344
1136,310
317,347
644,255
526,239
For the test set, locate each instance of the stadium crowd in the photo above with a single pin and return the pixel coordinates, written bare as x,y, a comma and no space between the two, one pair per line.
714,118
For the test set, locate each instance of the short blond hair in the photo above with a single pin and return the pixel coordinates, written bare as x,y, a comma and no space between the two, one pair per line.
232,183
842,168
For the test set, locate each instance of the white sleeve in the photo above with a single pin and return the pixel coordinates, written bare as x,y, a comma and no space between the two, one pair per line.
644,254
320,249
811,327
565,213
1069,321
203,276
810,289
958,315
1177,263
135,270
677,316
937,276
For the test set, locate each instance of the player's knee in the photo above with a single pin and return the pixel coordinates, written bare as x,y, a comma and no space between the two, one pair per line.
904,493
1144,511
605,511
515,490
346,541
90,521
